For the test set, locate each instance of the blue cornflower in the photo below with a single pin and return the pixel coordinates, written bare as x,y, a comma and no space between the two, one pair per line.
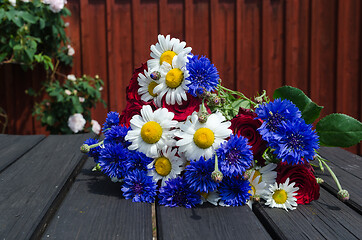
198,175
203,75
136,160
234,156
177,192
273,114
234,191
116,134
295,140
139,187
112,120
112,160
94,152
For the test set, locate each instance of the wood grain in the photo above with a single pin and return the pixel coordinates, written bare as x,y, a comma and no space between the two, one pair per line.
208,222
31,184
95,209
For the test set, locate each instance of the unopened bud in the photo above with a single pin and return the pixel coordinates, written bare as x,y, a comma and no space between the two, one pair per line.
216,101
155,75
222,100
202,117
258,99
85,148
343,195
319,180
217,176
256,198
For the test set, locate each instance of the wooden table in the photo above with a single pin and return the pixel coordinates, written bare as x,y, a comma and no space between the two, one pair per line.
48,191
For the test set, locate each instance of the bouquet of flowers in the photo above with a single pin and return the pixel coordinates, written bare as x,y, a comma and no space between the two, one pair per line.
184,139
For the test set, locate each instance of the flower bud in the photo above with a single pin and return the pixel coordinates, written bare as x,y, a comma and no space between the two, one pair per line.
155,75
217,176
258,99
343,195
85,148
319,180
202,117
256,198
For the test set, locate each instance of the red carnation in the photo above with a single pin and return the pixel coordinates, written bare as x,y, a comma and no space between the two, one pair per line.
133,107
245,125
187,108
132,89
304,179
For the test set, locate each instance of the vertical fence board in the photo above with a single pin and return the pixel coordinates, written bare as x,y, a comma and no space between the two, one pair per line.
323,54
145,29
248,51
273,45
74,33
223,40
201,28
189,22
94,44
171,18
348,61
6,91
297,44
120,65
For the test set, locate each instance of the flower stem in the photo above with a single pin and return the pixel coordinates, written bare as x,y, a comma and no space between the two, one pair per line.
323,162
242,96
96,144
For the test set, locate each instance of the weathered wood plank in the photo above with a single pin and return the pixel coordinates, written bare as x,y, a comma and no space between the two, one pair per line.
207,222
348,169
95,209
325,218
12,147
31,185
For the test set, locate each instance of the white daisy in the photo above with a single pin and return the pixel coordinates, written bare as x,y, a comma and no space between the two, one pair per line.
166,166
146,90
282,196
258,188
266,173
173,81
211,197
165,50
151,130
202,139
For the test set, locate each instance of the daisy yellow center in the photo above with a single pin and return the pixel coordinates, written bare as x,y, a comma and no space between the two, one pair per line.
174,78
204,138
204,194
252,191
167,57
256,174
280,196
163,166
151,86
151,132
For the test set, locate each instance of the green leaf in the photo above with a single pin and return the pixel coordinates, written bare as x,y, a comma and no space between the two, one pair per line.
28,17
339,130
3,56
310,110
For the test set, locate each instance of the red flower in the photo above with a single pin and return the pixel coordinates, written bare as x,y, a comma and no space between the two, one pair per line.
304,179
245,125
187,108
132,89
133,107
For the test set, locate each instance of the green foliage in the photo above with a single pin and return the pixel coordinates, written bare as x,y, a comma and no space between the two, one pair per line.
339,130
66,99
310,110
32,33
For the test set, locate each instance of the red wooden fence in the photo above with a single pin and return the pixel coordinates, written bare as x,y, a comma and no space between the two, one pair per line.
314,45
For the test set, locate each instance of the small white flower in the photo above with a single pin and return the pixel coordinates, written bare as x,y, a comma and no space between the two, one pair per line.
282,195
75,92
56,5
26,1
66,24
68,92
81,99
71,77
96,128
76,122
13,2
211,197
71,50
100,88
